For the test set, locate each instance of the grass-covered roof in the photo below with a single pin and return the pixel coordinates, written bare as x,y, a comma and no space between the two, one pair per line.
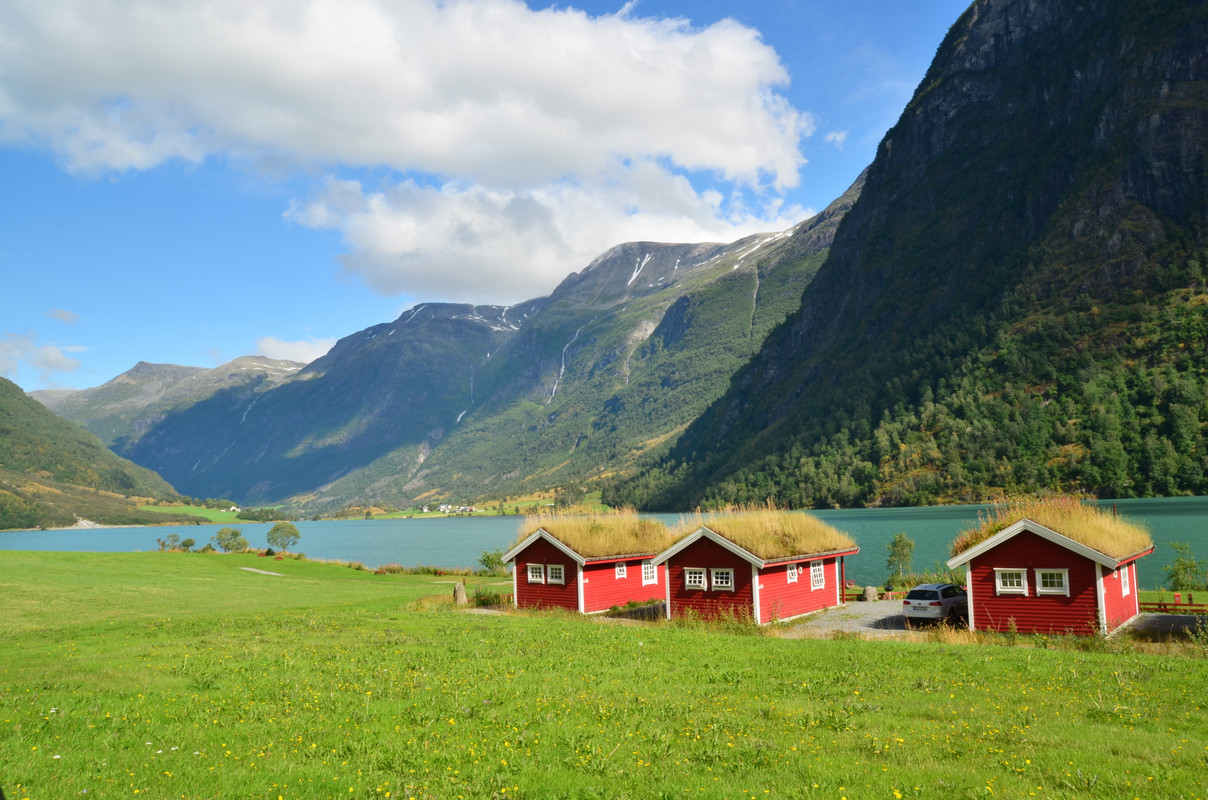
601,535
1100,530
770,533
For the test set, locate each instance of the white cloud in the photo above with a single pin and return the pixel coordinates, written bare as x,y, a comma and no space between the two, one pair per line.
488,90
63,315
45,359
304,351
837,138
520,144
470,243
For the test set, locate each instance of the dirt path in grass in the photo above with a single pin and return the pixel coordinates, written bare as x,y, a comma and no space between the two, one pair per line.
262,571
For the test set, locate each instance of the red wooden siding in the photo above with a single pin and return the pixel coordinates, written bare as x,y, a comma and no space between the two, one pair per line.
1120,607
546,595
602,590
779,599
1034,613
708,603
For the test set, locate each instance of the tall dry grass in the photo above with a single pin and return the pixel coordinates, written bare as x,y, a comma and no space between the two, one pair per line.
1109,534
769,532
601,534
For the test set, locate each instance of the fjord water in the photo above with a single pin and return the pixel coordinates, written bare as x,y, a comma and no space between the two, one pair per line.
459,541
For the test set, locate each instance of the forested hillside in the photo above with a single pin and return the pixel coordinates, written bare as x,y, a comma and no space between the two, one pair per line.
1017,302
52,471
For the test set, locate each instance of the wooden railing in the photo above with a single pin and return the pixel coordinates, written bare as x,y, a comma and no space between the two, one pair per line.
1176,606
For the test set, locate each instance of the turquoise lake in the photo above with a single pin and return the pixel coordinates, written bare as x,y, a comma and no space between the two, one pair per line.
458,541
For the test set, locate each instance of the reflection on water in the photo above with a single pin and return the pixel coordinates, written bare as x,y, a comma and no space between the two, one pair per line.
458,541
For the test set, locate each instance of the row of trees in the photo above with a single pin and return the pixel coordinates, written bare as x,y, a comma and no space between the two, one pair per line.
281,537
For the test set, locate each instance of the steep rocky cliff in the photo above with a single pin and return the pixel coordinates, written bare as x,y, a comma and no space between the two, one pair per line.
1048,176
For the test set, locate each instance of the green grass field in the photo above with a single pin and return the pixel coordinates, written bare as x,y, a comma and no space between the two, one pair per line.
171,675
214,515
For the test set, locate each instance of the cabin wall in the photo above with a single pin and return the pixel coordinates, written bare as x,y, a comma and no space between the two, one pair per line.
602,589
709,603
546,595
1120,607
1034,613
779,599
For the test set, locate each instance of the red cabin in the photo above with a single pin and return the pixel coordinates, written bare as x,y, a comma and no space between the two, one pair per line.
766,579
1031,579
588,577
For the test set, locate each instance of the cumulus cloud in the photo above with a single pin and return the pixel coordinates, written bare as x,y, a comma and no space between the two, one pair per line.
305,351
45,359
506,132
474,244
488,89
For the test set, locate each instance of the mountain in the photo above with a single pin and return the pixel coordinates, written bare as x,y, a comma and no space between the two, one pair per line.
52,471
392,388
120,411
620,358
1017,300
459,400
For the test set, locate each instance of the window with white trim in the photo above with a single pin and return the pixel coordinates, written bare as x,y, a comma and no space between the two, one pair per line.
723,580
817,575
1053,581
1010,581
792,573
536,573
694,577
1124,587
650,574
555,573
620,570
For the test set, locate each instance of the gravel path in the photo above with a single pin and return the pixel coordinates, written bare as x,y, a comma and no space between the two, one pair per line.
881,620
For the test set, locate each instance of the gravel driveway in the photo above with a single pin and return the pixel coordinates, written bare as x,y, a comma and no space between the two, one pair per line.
879,619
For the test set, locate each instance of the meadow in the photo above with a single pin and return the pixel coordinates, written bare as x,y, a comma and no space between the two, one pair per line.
172,675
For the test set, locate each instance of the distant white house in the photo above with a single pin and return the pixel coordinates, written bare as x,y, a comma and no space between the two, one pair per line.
236,509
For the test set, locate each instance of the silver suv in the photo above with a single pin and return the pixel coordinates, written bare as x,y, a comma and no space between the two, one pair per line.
935,601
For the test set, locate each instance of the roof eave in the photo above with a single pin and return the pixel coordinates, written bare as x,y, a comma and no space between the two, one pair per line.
1032,526
542,533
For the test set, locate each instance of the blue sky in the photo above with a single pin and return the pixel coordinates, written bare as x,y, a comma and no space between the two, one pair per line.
187,183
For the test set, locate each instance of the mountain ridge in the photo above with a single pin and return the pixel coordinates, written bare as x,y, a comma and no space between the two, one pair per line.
1050,166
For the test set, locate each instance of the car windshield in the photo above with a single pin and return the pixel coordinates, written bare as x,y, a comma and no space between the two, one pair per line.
923,594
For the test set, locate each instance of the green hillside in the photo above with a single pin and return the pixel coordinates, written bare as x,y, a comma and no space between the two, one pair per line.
52,471
1017,301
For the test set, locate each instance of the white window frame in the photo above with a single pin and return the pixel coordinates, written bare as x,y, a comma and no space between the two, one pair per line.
695,572
555,569
650,574
1063,590
1124,581
619,570
728,572
817,575
536,573
1023,577
792,573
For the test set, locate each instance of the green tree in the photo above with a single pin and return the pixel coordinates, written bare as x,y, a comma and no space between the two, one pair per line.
492,560
169,542
1186,572
187,544
229,539
901,552
283,536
